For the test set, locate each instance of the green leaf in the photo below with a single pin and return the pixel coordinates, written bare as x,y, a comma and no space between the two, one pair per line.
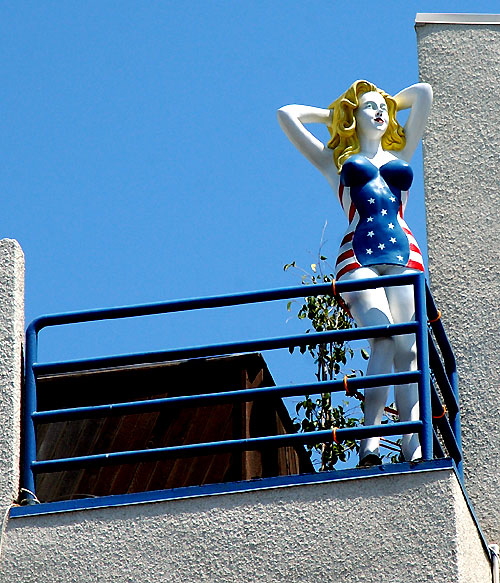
330,360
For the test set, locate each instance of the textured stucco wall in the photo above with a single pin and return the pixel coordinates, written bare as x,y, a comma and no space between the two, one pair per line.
462,182
407,527
11,341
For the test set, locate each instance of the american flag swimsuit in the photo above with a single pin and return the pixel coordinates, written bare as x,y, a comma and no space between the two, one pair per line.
373,200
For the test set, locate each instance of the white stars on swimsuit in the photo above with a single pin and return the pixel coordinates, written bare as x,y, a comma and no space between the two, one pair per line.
379,238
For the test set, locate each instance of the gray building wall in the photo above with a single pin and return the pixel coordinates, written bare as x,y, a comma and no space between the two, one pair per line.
392,528
459,55
11,343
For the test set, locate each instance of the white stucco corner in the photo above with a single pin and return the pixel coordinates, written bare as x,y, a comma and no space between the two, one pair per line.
11,343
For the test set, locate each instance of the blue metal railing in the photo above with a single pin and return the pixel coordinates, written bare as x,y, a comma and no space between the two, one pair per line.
436,377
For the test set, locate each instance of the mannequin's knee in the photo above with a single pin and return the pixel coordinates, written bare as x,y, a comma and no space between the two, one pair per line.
383,348
405,357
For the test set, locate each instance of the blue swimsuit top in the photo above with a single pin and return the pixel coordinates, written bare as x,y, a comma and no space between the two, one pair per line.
376,194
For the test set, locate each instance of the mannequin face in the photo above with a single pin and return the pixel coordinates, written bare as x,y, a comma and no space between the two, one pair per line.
371,115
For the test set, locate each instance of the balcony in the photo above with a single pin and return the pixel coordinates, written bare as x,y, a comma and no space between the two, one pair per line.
159,420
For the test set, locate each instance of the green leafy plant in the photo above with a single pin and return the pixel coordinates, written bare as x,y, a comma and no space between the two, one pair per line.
331,359
325,313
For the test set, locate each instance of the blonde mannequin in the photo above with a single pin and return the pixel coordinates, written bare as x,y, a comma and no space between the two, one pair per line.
366,164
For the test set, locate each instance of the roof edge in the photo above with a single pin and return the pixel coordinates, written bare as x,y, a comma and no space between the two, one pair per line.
423,18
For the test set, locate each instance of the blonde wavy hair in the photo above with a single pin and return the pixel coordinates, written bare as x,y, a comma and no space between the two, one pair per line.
344,140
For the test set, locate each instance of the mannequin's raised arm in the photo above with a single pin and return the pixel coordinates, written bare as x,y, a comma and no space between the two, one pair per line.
292,119
418,97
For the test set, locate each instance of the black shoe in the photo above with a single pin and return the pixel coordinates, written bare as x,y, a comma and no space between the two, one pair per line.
369,461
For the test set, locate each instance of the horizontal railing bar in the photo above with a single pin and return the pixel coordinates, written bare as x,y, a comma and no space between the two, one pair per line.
226,348
216,301
129,408
211,448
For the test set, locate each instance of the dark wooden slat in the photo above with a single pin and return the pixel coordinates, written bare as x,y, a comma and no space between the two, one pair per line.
171,426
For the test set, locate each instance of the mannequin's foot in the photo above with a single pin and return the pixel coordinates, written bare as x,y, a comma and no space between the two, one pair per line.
370,460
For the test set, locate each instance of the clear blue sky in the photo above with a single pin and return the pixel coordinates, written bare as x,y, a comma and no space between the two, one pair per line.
142,160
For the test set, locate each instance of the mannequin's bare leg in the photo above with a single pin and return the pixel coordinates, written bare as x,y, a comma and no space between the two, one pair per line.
371,308
402,307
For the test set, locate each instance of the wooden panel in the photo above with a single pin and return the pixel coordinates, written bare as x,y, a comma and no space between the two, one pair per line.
173,426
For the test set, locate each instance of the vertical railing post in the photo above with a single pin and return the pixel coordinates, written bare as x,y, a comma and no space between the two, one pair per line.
29,436
424,391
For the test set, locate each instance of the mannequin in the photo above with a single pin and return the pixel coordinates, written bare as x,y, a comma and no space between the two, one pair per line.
366,162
